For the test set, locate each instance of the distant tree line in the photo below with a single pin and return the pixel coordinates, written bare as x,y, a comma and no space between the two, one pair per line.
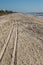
3,12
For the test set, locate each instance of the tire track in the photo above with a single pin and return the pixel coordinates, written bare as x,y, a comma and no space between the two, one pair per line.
7,57
4,32
15,48
5,45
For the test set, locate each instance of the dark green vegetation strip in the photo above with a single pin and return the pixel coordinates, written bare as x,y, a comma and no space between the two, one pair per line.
2,12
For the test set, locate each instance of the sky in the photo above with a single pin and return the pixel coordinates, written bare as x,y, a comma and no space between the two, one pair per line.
22,5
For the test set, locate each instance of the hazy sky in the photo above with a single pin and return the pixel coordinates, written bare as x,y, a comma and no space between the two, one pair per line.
22,5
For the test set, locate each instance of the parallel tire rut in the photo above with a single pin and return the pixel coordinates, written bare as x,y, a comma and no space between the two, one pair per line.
5,45
14,51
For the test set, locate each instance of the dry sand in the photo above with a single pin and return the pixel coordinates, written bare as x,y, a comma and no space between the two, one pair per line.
29,44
